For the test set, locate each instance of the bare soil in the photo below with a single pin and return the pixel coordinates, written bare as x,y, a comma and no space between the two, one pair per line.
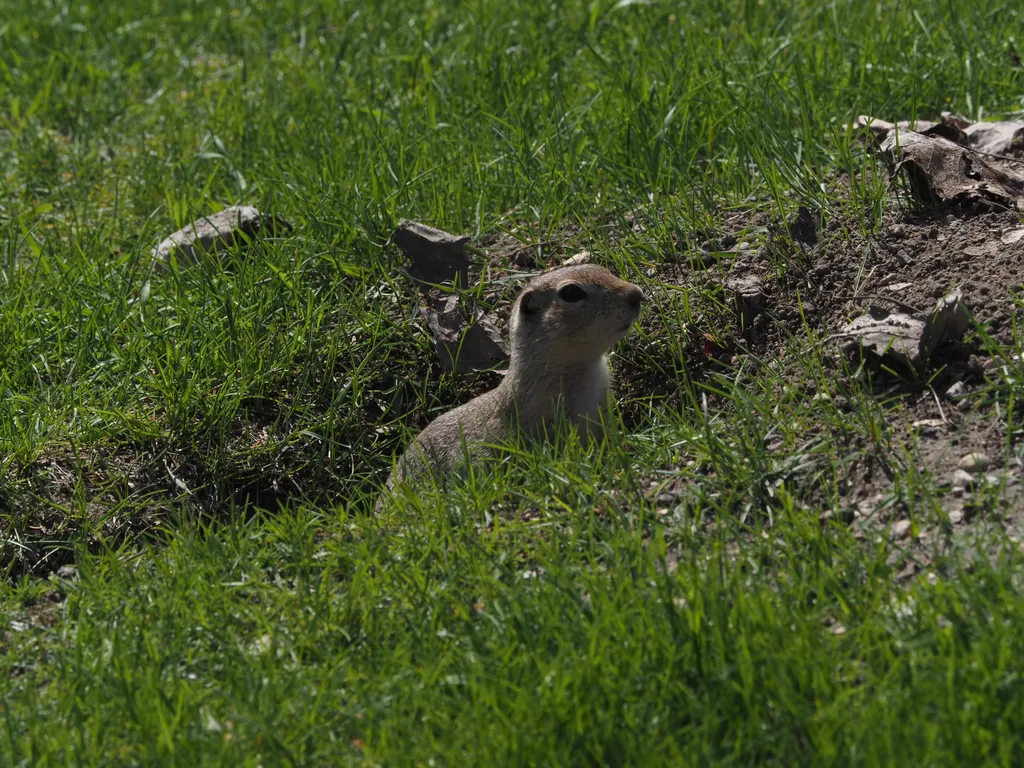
908,264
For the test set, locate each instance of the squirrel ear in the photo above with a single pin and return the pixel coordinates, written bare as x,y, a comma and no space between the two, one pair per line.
528,303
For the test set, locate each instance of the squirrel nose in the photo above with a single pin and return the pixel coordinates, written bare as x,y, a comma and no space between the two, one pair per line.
636,297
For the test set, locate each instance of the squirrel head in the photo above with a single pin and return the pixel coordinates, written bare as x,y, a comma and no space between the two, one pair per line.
574,314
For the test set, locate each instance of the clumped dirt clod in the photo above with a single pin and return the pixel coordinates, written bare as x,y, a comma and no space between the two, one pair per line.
435,256
804,226
438,258
463,349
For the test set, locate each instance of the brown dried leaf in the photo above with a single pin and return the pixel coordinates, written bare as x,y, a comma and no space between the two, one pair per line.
950,127
997,138
908,339
944,172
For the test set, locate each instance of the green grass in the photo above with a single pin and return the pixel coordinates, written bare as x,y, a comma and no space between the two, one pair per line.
545,611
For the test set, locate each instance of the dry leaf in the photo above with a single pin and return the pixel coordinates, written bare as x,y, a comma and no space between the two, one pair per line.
950,127
940,171
998,138
908,339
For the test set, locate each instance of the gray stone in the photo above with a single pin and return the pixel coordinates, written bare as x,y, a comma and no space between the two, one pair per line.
218,232
748,296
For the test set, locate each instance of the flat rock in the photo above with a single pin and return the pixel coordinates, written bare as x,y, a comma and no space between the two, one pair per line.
1012,236
885,333
218,231
583,257
901,528
956,390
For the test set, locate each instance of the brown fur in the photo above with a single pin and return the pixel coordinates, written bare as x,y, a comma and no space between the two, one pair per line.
557,367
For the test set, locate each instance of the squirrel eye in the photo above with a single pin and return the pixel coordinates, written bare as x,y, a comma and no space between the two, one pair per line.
571,292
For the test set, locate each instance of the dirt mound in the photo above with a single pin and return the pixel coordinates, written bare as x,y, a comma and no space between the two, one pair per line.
797,288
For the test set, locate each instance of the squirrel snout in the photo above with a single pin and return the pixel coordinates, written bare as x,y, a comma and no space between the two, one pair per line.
635,297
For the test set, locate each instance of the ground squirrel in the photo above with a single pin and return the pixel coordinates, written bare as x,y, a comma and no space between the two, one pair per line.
561,326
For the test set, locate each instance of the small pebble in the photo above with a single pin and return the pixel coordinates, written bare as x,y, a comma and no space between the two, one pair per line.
583,257
901,529
956,391
67,572
975,462
962,479
667,499
956,515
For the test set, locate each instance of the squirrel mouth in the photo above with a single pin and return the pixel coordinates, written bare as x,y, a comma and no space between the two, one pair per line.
625,328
